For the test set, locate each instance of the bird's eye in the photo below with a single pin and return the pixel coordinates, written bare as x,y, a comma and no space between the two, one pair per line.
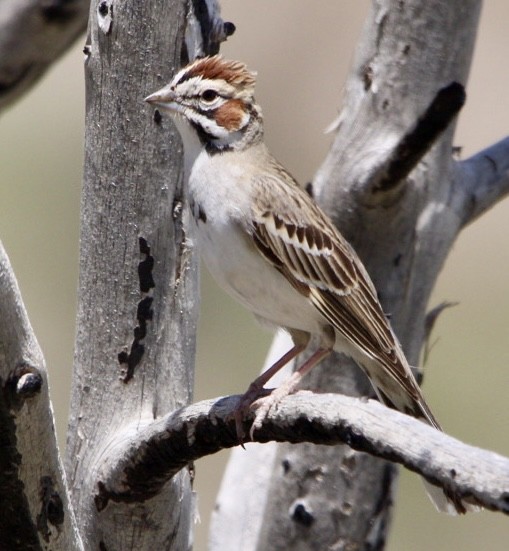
209,95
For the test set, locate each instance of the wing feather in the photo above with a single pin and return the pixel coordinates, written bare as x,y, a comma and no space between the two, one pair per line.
295,236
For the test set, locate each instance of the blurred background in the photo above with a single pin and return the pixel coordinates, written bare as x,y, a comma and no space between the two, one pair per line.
302,58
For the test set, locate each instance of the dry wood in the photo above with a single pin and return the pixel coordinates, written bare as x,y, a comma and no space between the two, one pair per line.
128,450
147,457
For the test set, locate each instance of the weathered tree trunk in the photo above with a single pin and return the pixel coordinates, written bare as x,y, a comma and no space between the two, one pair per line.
402,227
138,281
138,294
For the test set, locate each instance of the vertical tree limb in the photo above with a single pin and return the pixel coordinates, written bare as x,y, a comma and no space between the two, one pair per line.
138,293
34,505
138,288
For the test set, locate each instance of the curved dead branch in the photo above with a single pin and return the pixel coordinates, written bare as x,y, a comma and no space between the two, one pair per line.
147,458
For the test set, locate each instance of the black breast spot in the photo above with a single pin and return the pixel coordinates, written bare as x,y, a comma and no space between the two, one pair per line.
198,212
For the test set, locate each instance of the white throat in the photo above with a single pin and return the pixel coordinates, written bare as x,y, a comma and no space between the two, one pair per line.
191,142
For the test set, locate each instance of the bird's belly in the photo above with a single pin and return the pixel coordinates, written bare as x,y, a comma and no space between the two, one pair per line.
243,273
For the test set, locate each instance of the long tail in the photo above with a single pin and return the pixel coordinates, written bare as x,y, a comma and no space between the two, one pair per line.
393,395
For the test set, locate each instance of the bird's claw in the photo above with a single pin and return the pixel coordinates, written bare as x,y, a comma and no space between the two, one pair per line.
244,405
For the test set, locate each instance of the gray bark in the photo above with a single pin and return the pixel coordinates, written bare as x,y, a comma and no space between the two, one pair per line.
33,34
160,450
138,283
138,293
403,229
36,512
133,355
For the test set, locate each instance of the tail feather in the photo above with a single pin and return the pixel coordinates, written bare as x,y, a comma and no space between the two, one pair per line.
391,394
443,502
447,502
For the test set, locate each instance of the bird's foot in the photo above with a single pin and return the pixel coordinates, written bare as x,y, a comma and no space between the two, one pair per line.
252,394
264,404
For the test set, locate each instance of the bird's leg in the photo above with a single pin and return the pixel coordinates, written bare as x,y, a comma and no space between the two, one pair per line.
256,390
264,404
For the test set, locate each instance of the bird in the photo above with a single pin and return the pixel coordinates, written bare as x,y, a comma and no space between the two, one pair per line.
270,246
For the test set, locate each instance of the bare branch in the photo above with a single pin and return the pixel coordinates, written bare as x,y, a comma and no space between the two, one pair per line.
33,34
148,458
33,496
205,28
484,180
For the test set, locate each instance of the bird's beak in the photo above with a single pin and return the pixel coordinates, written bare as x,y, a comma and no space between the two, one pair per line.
164,99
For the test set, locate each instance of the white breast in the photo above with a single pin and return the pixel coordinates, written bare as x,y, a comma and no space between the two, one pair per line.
220,192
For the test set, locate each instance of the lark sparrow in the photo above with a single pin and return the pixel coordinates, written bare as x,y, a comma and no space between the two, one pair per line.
271,247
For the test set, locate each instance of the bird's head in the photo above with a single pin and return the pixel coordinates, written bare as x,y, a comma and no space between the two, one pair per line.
215,97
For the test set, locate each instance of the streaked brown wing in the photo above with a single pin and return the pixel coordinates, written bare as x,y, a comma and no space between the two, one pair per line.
298,239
